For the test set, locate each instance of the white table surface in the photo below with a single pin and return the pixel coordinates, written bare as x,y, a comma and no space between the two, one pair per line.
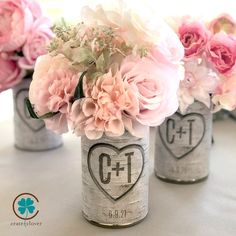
203,209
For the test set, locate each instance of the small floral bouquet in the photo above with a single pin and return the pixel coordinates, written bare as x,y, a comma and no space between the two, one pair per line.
209,61
24,34
112,72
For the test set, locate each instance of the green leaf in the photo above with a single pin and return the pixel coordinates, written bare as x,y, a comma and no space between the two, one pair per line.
100,63
79,93
82,55
34,115
30,109
48,115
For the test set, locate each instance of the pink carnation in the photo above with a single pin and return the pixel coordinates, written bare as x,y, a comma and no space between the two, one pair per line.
155,84
16,19
52,89
194,37
110,105
221,52
36,43
10,73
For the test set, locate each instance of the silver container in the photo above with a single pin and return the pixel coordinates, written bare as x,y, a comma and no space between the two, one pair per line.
30,134
183,144
115,180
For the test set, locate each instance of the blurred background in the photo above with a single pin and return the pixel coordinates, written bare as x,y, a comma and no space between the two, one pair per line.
70,10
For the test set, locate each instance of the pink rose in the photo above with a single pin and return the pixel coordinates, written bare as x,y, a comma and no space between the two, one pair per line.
194,37
35,8
52,89
16,19
36,43
223,23
10,73
155,84
221,52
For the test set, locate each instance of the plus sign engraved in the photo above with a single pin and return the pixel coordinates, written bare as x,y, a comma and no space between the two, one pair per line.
180,132
118,168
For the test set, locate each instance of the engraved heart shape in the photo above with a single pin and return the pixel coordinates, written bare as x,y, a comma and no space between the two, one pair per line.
181,134
115,171
34,125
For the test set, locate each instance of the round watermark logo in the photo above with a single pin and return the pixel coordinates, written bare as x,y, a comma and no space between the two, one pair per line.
25,206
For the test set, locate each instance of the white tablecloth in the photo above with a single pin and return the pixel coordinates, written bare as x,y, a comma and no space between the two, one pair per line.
203,209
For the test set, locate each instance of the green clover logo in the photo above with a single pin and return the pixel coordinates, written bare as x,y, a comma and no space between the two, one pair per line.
26,206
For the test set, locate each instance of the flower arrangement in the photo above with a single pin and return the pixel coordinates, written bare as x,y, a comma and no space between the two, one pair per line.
209,61
112,72
24,34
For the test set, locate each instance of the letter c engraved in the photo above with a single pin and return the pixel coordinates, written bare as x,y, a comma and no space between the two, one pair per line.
170,125
101,165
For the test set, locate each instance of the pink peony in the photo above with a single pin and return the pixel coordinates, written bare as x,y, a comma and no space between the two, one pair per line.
225,95
194,37
16,19
111,100
155,84
36,43
52,89
223,23
199,83
10,73
221,52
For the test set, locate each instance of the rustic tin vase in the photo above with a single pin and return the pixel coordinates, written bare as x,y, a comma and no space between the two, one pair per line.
30,134
183,144
115,180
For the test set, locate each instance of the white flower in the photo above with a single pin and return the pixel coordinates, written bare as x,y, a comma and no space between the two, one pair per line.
142,29
199,83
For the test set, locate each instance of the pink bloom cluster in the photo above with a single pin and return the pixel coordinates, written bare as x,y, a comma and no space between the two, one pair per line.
210,59
136,86
24,34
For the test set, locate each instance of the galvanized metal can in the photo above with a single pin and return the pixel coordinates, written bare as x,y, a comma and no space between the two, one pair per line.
183,144
115,178
30,134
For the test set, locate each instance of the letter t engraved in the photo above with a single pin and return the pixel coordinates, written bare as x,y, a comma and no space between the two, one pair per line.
191,131
129,154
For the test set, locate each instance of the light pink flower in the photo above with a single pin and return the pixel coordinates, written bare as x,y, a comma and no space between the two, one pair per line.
52,89
36,43
194,37
111,100
145,30
10,73
225,95
16,19
199,83
35,8
155,84
221,52
223,23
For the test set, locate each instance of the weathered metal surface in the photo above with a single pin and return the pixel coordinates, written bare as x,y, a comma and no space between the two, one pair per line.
30,134
182,145
115,178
